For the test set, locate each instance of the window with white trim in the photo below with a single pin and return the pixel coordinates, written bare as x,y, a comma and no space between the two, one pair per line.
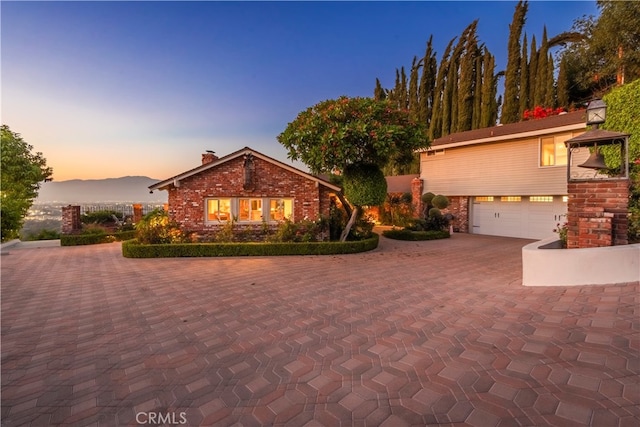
553,151
541,199
280,209
218,210
244,209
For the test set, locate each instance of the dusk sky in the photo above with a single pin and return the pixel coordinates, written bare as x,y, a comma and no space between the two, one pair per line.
110,89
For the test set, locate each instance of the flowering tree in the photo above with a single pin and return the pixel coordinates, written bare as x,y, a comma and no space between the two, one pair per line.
351,135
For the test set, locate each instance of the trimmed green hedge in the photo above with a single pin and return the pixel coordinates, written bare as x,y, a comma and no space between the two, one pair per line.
133,249
94,239
415,235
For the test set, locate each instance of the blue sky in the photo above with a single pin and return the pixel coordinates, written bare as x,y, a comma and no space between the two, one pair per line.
109,89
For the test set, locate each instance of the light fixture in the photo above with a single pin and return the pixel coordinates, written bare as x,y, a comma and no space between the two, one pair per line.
596,112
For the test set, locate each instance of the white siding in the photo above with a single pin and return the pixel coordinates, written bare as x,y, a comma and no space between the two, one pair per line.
495,169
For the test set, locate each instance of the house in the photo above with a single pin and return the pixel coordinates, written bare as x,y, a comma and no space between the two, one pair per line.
506,180
247,187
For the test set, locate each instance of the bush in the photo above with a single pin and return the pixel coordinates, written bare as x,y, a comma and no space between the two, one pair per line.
156,227
95,238
406,234
301,231
440,202
134,249
44,234
364,184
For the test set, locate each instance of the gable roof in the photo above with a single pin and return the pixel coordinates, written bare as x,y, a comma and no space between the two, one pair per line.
575,120
246,150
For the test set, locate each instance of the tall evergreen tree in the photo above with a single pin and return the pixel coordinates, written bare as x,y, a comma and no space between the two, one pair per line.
524,79
379,93
466,85
550,90
413,87
540,93
477,90
489,88
562,87
427,83
511,90
533,70
435,126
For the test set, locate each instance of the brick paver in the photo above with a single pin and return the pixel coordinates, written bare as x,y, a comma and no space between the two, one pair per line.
413,333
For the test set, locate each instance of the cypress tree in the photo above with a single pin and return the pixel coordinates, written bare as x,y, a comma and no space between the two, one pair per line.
541,72
533,70
427,83
524,79
413,87
379,93
489,88
477,90
562,87
511,90
403,91
550,90
463,119
435,126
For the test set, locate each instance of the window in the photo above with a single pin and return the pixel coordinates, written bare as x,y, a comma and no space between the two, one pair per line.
250,210
541,199
484,199
435,153
510,198
280,209
218,210
553,151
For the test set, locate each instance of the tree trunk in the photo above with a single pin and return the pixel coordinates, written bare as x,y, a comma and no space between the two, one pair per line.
352,220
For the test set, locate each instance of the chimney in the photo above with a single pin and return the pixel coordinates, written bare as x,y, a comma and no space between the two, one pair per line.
209,157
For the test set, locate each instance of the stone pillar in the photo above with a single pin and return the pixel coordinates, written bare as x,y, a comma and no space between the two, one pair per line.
416,196
71,219
592,205
137,212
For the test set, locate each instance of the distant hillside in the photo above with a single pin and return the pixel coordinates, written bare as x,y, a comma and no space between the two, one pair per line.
125,189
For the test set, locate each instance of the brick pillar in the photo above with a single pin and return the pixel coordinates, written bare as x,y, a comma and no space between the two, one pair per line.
71,219
416,196
592,204
459,208
137,212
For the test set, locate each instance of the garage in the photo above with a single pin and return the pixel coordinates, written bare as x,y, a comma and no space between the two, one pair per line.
528,217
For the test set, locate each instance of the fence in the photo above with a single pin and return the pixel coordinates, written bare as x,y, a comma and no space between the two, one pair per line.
126,209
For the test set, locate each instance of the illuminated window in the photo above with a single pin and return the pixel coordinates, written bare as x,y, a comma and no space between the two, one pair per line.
484,199
249,209
553,151
543,199
280,209
218,210
510,198
565,199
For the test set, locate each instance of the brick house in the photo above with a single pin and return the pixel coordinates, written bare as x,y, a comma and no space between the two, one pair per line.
245,186
507,180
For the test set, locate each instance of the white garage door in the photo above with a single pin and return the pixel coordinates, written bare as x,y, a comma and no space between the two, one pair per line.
518,216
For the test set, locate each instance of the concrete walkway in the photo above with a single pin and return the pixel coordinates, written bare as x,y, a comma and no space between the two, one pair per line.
413,333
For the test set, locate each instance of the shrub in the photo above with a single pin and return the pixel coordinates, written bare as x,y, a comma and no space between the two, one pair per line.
156,227
364,184
440,202
406,234
301,231
44,234
427,198
134,249
95,238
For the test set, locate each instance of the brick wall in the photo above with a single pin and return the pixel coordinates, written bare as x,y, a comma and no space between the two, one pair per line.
187,202
459,208
597,213
417,187
71,220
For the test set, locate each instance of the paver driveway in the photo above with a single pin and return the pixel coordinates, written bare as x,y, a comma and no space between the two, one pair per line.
428,333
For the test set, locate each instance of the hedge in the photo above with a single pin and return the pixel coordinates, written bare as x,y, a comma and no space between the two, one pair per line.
133,249
94,239
404,234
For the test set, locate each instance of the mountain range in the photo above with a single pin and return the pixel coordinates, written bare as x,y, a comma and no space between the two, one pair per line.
132,189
